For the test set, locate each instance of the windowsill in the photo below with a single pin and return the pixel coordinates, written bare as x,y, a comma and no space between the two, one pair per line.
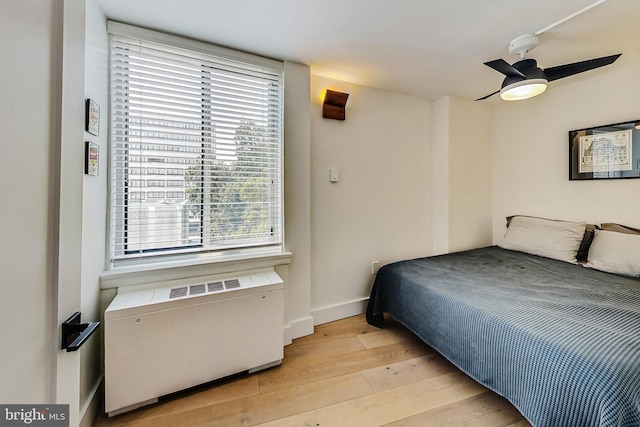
134,275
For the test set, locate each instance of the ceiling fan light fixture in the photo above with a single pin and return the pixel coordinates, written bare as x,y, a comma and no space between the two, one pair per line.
523,89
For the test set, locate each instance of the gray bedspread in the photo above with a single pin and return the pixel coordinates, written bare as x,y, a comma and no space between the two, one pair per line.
560,341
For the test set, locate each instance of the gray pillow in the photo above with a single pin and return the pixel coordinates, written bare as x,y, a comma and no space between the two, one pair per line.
548,238
615,252
587,238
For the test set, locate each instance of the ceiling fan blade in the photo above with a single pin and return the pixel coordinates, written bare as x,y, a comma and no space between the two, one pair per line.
562,71
488,96
503,67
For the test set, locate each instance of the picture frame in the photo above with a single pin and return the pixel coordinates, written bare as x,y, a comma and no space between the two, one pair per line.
605,152
92,117
91,159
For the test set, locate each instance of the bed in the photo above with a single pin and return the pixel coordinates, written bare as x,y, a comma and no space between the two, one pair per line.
560,341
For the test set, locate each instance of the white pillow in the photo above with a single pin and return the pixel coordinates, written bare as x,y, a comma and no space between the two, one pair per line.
548,238
615,253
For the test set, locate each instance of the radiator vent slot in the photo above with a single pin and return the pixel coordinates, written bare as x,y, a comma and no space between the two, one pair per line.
197,289
230,284
215,286
178,292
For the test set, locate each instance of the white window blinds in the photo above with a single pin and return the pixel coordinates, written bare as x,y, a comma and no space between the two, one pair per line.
196,146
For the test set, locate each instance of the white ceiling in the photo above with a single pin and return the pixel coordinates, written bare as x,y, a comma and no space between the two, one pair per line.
424,48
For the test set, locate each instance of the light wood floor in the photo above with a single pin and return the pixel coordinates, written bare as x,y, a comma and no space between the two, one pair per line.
347,373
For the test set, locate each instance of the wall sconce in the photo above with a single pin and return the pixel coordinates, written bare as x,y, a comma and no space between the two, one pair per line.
334,104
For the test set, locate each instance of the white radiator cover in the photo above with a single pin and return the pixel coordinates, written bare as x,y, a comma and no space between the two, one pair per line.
156,344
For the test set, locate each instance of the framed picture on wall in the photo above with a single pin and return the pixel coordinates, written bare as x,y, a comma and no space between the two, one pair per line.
91,159
605,152
92,117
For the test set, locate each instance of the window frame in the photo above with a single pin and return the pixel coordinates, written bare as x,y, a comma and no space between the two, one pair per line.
196,251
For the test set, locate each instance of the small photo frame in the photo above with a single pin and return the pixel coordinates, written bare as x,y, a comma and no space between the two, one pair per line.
91,159
92,117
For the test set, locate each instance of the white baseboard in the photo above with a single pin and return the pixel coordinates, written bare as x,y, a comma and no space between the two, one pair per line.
93,404
298,328
339,311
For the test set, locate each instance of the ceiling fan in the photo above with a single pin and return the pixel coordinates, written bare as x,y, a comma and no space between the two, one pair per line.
524,79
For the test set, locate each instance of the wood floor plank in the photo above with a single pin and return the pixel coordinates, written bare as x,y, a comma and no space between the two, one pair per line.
332,347
522,423
321,368
349,327
307,352
485,410
407,371
387,336
310,353
389,405
205,396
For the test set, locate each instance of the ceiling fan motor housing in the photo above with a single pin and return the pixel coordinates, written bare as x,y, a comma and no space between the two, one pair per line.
529,68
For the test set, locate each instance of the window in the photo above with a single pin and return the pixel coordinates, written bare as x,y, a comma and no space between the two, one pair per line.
211,120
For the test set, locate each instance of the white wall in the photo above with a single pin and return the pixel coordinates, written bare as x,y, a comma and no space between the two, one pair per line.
531,152
94,217
461,174
439,166
470,171
27,132
297,200
380,208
